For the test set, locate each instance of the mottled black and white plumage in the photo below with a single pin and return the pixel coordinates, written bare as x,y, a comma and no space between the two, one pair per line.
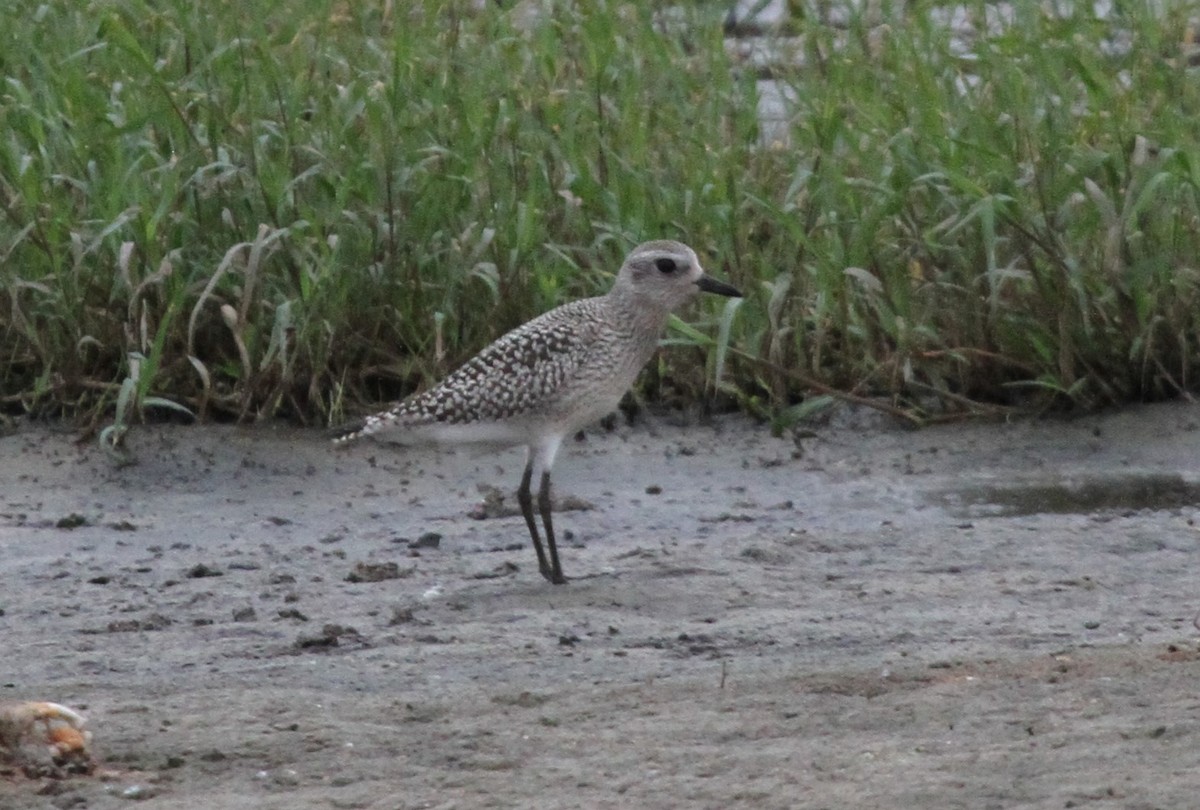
555,374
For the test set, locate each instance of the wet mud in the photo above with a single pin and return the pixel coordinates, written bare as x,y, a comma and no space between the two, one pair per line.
974,616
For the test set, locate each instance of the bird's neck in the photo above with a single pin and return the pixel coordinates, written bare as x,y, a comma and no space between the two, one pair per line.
642,315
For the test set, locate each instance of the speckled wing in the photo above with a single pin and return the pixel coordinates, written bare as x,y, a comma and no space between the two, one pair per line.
521,373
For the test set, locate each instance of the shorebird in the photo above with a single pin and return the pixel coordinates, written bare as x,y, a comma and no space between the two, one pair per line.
549,377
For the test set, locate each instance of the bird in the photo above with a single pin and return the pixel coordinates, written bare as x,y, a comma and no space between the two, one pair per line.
552,376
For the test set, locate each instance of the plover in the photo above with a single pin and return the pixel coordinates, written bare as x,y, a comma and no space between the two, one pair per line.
548,378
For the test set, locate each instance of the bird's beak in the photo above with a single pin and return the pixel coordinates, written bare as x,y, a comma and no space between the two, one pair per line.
710,284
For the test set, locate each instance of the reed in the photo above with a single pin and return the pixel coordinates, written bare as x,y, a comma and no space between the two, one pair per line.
261,209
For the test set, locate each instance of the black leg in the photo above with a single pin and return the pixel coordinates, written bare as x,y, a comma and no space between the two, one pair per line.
525,498
556,574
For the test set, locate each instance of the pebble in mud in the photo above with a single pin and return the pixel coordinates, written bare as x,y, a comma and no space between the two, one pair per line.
71,521
331,635
138,792
244,614
378,572
286,777
426,540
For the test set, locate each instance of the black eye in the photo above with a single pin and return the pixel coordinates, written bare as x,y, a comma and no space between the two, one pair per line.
665,265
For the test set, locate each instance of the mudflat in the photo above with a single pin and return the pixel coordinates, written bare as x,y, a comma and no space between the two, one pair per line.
967,616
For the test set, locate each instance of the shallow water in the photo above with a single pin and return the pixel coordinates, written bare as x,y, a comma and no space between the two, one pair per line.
1091,493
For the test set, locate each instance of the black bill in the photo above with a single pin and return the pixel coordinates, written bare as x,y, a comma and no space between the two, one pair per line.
709,284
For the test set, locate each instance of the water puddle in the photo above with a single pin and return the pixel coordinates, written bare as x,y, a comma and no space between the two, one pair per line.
1072,494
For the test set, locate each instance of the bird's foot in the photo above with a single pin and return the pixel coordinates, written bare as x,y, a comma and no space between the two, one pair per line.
552,576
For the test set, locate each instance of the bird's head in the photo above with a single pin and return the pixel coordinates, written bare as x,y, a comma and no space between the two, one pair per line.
668,274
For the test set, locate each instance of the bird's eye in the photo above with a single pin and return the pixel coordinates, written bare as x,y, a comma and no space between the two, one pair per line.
665,265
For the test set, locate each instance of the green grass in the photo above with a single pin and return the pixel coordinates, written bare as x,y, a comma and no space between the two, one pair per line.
259,209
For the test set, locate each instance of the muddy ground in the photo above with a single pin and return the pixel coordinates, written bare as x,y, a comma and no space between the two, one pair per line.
972,616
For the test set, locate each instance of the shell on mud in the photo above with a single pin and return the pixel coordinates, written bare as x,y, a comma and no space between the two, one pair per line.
44,739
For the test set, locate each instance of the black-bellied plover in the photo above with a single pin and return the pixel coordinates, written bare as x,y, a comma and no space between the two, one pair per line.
555,374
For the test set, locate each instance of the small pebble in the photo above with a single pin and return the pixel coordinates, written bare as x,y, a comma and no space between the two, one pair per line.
427,540
137,792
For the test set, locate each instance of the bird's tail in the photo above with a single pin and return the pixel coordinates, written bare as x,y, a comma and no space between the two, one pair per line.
348,432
